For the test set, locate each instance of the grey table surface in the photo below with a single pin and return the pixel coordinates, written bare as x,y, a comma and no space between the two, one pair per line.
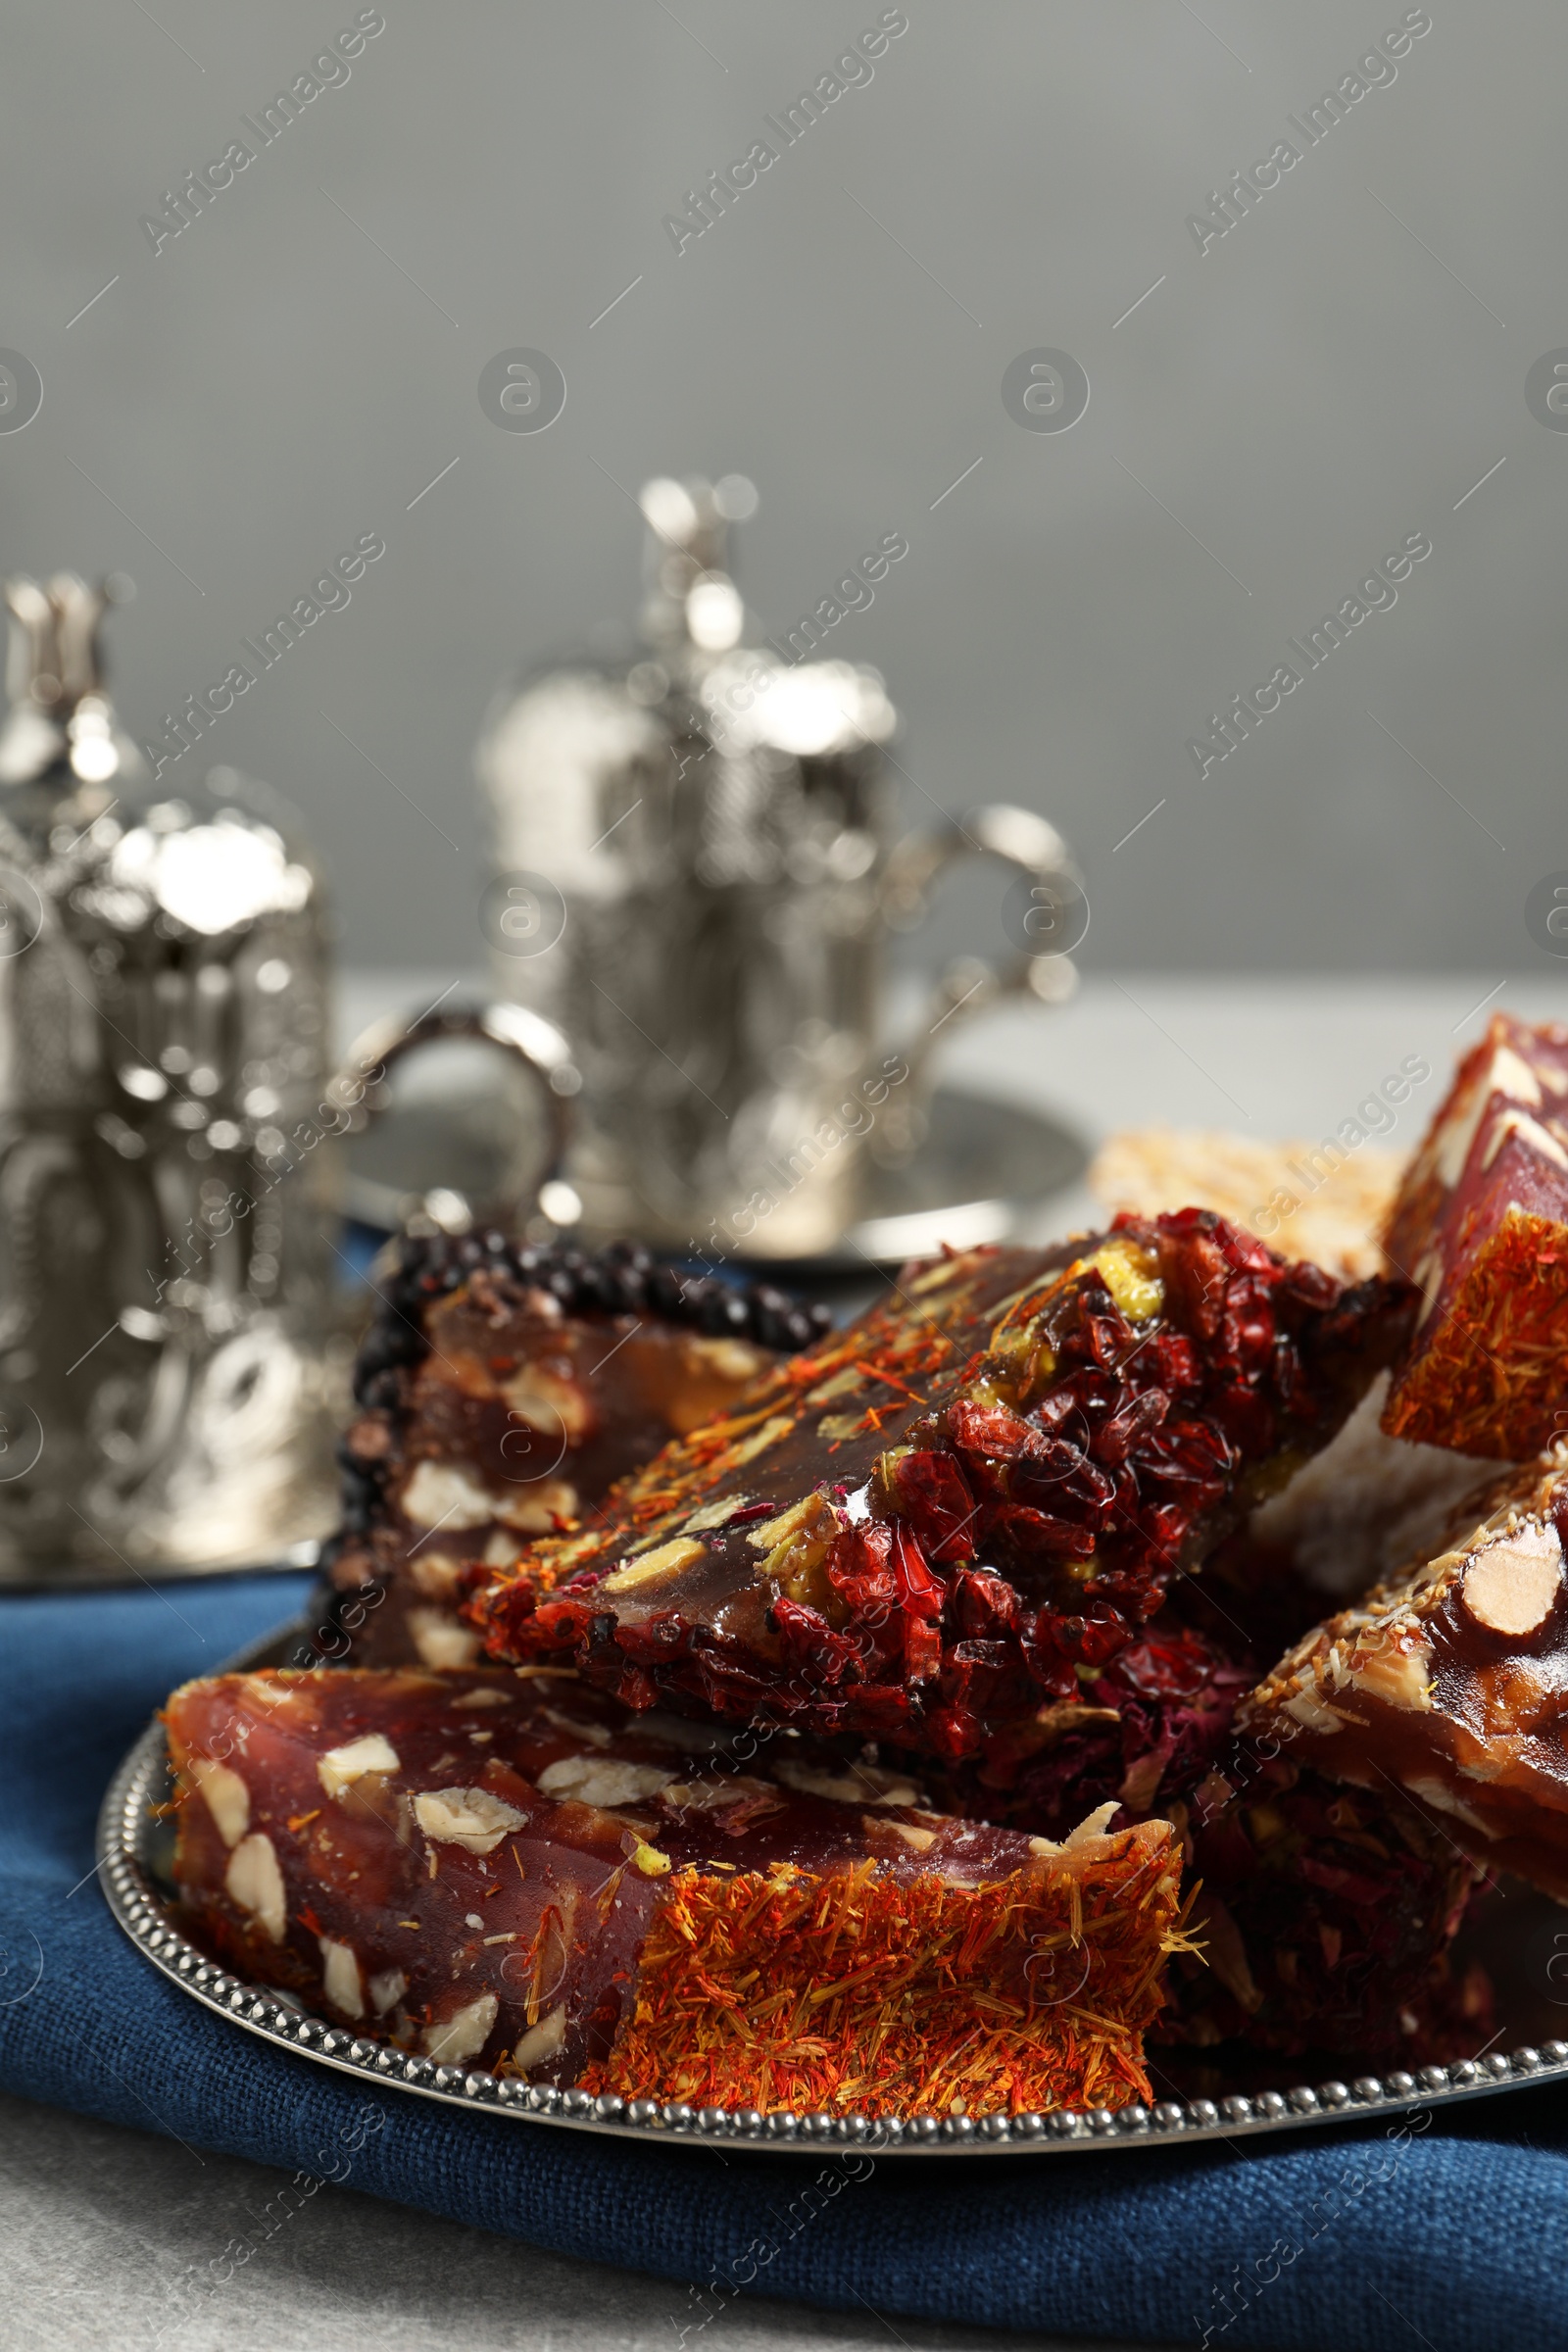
100,2225
102,2228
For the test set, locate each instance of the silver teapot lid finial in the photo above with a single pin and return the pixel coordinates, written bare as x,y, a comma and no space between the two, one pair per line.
691,601
61,718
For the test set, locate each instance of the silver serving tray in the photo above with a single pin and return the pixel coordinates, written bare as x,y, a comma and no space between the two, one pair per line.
135,1851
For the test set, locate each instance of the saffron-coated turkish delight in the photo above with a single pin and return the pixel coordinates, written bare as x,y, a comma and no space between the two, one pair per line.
1481,1223
504,1872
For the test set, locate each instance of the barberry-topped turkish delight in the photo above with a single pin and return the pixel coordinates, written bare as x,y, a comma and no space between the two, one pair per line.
1450,1683
488,1870
1325,1915
1139,1736
502,1391
1481,1223
957,1508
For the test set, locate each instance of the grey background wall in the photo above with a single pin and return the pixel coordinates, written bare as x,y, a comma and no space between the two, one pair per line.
1333,375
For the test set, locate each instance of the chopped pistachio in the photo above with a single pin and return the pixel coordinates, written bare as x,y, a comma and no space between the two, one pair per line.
1131,1274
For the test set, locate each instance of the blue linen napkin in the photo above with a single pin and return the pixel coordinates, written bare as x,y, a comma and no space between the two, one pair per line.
1381,2237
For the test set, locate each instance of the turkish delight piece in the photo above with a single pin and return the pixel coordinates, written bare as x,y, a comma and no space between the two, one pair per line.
940,1518
1137,1737
502,1872
502,1391
1325,1914
1481,1223
1450,1684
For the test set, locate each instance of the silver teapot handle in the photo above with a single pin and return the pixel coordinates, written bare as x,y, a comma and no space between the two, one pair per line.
1053,912
359,1088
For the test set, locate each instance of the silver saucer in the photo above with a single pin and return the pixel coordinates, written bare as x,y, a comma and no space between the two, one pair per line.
135,1852
984,1171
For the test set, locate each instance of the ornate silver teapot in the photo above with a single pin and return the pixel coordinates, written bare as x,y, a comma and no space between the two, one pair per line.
168,1348
695,880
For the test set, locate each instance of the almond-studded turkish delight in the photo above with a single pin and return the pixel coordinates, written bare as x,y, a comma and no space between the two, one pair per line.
502,1389
496,1871
1449,1683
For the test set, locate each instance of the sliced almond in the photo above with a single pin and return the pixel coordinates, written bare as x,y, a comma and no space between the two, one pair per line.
728,1359
747,1450
1506,1074
1511,1585
464,2034
228,1801
1444,1799
921,1840
467,1817
255,1883
436,1574
341,1766
537,1507
1093,1825
585,1732
1311,1714
553,1406
441,1640
340,1977
446,1494
449,1494
602,1780
541,2042
948,1270
716,1514
1396,1669
387,1989
1141,1781
1529,1133
850,1785
711,1797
